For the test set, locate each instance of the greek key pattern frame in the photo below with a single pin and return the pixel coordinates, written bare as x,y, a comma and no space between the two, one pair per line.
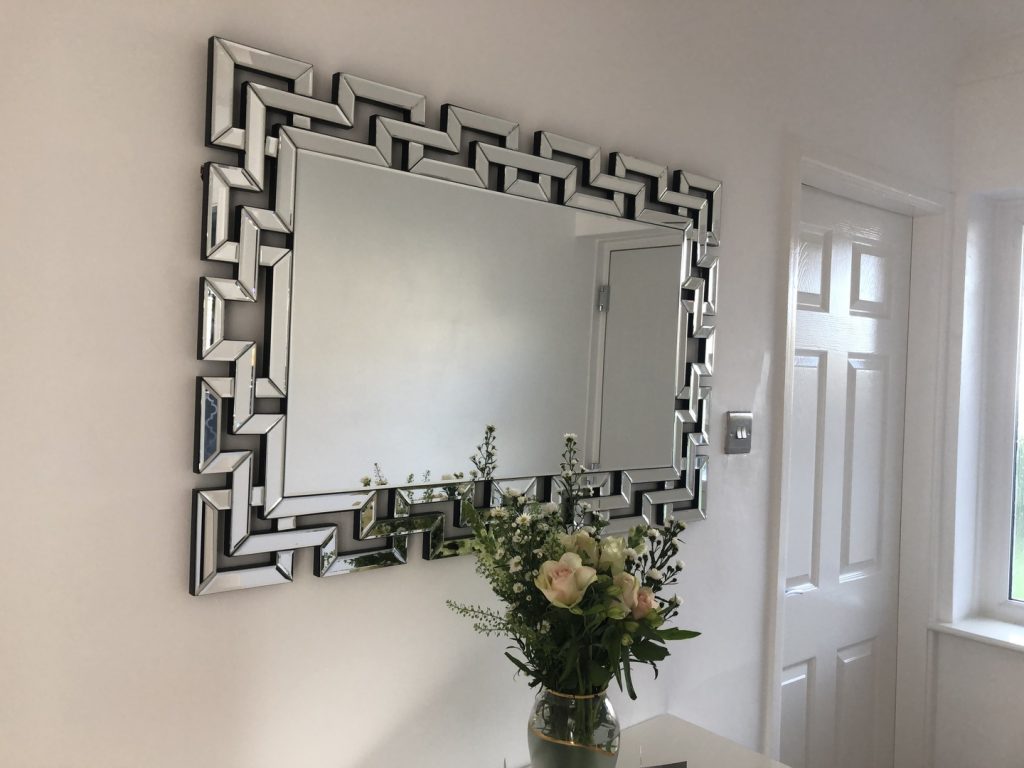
246,533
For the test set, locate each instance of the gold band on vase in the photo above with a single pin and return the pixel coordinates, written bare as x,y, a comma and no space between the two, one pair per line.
575,744
575,696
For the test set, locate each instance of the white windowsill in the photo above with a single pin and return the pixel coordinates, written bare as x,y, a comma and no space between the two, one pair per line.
1002,634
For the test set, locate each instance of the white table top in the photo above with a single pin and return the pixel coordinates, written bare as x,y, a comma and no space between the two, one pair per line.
668,739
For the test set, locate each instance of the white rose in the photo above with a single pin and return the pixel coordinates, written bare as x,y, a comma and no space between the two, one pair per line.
565,582
550,507
613,554
581,543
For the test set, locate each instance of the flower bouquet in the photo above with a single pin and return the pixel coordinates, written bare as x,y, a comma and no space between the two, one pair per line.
581,607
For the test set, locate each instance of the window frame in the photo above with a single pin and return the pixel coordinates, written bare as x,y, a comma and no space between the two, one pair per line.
1003,311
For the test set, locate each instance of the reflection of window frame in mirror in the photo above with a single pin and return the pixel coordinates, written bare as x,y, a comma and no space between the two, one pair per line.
998,311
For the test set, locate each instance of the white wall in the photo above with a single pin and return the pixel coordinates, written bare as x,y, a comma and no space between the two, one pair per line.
104,658
977,690
977,686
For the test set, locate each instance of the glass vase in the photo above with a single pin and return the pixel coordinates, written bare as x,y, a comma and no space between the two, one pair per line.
566,731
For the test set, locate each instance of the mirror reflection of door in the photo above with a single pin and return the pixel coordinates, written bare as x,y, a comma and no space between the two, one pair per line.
639,365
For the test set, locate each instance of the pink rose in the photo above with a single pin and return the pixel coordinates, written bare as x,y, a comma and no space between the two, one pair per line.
564,582
645,603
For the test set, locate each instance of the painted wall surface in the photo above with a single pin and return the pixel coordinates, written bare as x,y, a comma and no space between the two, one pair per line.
977,686
104,658
989,155
977,714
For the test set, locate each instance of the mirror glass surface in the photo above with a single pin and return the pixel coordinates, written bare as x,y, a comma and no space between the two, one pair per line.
423,310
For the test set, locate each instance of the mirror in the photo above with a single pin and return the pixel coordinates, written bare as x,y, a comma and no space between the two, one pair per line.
417,284
423,310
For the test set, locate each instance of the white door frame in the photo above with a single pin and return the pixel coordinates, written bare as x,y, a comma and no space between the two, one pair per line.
931,252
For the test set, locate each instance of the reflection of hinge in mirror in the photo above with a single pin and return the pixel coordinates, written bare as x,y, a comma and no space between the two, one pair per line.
603,295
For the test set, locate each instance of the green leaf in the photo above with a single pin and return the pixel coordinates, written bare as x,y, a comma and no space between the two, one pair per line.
599,676
629,679
673,633
569,668
648,651
522,667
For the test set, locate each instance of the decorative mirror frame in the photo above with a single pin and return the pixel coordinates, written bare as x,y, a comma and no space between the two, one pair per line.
251,516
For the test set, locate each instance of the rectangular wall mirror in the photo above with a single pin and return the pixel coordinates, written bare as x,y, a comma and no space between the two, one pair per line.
419,284
423,310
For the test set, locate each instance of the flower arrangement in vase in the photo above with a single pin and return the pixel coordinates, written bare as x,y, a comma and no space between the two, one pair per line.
581,607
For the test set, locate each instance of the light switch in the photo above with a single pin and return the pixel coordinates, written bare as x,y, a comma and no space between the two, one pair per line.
738,428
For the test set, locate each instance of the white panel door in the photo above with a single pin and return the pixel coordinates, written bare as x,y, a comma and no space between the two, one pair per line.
845,471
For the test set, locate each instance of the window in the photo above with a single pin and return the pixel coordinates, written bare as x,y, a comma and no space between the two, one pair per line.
995,355
1017,567
1017,554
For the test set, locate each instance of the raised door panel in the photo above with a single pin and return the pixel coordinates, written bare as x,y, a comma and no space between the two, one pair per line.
797,690
804,531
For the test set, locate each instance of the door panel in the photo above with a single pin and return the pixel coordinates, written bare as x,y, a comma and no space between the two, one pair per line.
855,697
805,492
844,473
797,687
